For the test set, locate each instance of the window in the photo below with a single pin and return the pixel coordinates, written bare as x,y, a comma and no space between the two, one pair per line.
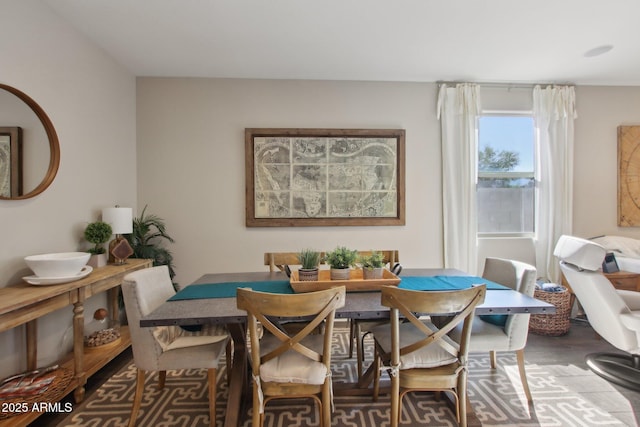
506,174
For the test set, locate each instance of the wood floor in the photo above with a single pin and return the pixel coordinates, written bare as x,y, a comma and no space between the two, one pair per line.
569,349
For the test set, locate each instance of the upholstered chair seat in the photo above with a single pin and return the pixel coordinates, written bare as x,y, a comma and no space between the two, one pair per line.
292,367
425,357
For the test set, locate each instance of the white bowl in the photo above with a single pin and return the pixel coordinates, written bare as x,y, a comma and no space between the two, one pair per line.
63,264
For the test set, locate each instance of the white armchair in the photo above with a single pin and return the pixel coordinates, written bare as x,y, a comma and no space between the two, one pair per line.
613,314
505,332
166,348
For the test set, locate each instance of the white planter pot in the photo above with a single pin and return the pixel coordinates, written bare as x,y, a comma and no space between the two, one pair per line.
99,260
372,273
340,273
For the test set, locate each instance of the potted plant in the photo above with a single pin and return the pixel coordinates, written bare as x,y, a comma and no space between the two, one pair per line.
340,260
309,260
372,265
149,231
98,233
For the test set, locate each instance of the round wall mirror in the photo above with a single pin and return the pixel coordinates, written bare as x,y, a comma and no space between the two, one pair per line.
29,147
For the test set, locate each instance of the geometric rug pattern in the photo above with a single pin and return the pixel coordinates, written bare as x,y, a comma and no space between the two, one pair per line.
496,397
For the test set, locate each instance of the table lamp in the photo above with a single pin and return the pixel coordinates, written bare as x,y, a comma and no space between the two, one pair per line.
121,221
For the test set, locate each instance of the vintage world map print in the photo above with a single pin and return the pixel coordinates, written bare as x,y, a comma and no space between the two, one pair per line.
325,177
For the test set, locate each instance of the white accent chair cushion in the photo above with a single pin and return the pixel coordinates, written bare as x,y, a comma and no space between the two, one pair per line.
291,366
426,357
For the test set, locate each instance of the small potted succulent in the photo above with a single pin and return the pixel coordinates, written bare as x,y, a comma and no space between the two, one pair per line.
340,261
309,260
98,233
372,265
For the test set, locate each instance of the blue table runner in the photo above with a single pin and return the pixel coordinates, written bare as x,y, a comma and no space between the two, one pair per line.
446,283
228,289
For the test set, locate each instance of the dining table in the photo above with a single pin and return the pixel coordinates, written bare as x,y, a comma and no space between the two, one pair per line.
364,305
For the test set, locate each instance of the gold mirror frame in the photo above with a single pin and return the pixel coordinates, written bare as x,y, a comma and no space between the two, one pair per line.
54,145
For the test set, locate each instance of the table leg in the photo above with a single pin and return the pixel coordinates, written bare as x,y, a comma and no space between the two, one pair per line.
112,304
361,388
238,373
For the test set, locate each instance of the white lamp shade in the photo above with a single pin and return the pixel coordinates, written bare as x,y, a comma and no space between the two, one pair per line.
120,219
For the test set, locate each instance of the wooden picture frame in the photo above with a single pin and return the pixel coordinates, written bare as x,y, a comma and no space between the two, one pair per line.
324,177
10,161
629,176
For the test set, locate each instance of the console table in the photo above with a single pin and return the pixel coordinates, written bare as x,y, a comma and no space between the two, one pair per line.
25,303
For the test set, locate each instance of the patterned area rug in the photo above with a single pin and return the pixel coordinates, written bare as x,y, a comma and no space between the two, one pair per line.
496,397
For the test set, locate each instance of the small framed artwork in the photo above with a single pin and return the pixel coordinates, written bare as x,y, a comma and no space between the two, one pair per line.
324,177
10,161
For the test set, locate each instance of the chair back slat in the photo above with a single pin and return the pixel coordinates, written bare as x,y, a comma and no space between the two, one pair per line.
263,307
450,307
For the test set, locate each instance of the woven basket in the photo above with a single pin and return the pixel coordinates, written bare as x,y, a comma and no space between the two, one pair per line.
552,324
54,392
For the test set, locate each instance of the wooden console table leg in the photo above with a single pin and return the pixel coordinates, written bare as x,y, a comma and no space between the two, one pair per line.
78,348
32,345
113,306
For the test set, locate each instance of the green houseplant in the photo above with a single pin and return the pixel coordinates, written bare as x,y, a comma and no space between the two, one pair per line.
372,265
148,238
309,260
98,233
340,260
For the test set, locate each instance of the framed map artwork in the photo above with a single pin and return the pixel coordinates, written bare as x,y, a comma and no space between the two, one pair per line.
10,162
629,176
324,177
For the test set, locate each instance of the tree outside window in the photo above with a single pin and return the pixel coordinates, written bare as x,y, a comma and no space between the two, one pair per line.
506,175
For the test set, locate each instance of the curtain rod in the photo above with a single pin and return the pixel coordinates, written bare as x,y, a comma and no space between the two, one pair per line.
507,85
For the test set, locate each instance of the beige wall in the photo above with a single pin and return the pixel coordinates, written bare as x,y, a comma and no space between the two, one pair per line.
601,110
191,165
91,101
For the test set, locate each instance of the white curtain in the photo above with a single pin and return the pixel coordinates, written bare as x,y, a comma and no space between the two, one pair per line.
458,109
554,112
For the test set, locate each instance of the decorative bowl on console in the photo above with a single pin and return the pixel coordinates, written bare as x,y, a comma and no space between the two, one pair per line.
62,264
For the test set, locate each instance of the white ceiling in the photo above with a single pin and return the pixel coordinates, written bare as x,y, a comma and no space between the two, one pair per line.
512,41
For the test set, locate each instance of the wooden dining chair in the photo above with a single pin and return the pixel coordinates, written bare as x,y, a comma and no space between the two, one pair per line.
505,332
359,329
287,365
279,261
166,347
417,354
